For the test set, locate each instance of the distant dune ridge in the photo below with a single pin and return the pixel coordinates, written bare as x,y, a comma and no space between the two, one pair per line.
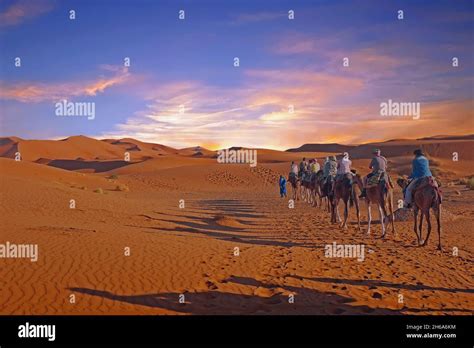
86,148
85,154
438,146
333,147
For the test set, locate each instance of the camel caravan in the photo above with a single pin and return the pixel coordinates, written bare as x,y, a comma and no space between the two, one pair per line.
336,181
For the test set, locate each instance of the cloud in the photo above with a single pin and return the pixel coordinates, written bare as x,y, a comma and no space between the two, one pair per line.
256,113
35,92
250,115
23,10
304,90
186,113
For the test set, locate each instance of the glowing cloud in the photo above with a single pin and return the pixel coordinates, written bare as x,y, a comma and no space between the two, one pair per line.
34,92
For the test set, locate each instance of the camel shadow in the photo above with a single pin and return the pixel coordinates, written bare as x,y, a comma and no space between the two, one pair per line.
214,302
232,237
230,205
204,223
207,221
381,283
421,310
210,227
227,213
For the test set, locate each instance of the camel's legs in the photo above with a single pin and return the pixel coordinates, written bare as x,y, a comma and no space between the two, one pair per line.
333,210
369,215
382,216
336,206
437,212
415,214
296,192
356,203
428,221
346,213
390,205
420,233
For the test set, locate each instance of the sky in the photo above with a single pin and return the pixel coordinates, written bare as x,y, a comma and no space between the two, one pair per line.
183,89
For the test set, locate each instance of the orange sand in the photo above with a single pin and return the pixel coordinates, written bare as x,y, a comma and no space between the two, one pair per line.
190,250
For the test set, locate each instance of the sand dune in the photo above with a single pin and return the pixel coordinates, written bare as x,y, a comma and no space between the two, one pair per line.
332,148
182,218
440,146
128,144
82,147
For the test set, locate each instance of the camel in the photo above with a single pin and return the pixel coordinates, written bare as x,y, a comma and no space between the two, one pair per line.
325,190
343,189
310,188
295,185
377,195
425,197
305,189
316,188
328,192
319,188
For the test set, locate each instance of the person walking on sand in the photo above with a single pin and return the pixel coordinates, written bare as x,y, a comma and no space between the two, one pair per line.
282,183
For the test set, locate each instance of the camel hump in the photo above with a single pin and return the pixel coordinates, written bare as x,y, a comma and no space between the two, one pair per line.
432,183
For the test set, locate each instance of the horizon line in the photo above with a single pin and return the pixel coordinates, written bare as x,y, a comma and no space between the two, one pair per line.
429,137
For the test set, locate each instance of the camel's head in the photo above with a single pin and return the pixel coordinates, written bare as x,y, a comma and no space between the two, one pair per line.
402,182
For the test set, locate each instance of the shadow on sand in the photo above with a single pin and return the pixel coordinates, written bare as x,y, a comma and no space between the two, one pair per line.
381,283
217,302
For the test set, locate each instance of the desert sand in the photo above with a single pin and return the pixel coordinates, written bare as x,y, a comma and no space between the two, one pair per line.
190,249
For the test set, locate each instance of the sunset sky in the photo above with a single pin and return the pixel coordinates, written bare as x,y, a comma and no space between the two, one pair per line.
282,62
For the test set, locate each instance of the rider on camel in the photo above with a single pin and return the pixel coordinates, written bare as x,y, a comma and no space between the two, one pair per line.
378,166
344,168
330,168
420,170
303,168
315,167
